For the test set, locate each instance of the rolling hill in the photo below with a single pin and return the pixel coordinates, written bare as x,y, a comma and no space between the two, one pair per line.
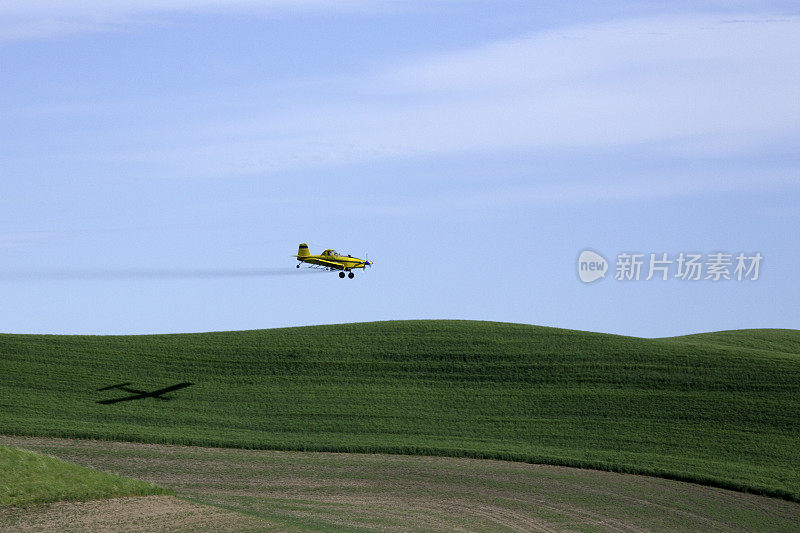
719,408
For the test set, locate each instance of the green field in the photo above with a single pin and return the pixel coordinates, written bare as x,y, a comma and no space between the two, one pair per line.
721,408
28,478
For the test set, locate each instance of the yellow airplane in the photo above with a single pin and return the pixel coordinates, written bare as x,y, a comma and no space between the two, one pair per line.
330,259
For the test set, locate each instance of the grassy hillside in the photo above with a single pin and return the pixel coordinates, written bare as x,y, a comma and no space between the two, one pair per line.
772,340
721,409
28,477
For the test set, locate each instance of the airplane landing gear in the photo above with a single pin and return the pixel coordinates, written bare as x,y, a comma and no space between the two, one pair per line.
298,265
351,275
341,274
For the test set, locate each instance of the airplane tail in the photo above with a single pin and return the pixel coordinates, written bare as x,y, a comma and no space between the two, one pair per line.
303,251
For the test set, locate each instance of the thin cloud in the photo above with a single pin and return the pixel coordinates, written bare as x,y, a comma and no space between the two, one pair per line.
693,83
691,86
596,51
548,193
30,20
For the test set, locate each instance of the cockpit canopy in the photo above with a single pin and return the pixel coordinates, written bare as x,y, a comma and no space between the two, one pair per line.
330,251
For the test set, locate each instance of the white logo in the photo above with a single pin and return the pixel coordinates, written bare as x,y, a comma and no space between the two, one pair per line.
685,266
591,266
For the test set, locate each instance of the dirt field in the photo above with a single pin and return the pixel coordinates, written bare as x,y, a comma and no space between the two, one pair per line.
330,491
148,513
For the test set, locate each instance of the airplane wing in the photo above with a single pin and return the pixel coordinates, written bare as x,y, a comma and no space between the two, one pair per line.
171,388
115,386
138,395
329,264
132,391
123,387
125,399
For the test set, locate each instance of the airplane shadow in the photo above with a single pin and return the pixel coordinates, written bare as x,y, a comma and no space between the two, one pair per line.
136,394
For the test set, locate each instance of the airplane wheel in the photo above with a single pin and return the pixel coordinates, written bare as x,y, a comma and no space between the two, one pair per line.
351,275
341,274
298,265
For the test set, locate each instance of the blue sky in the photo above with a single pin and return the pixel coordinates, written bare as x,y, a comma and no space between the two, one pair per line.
473,149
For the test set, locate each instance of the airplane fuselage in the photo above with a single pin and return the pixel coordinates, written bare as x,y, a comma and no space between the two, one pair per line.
331,260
